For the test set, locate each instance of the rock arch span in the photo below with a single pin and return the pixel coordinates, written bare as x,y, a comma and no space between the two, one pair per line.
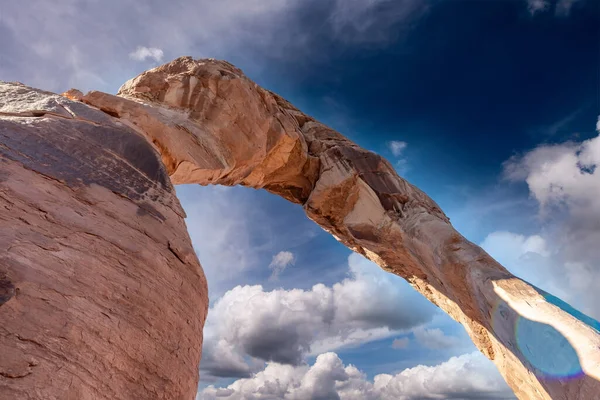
101,294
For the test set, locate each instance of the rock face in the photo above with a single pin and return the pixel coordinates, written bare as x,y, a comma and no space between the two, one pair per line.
139,296
101,294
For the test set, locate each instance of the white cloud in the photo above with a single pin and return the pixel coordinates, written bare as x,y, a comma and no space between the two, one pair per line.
143,53
435,338
397,147
563,259
400,343
249,324
281,261
510,247
468,376
561,175
529,258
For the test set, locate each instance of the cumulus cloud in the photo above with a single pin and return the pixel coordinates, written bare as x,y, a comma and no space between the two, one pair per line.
469,376
143,53
280,262
565,181
249,325
561,175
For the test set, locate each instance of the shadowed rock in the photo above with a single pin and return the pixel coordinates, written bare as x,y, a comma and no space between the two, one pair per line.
212,125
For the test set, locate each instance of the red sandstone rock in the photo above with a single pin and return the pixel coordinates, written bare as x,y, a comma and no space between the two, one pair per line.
101,295
212,125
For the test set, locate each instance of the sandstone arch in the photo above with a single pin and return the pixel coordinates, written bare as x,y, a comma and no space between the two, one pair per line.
101,295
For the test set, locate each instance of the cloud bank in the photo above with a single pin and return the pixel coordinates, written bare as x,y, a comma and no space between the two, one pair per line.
249,325
469,376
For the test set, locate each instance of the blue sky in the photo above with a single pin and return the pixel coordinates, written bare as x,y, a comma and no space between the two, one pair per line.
490,107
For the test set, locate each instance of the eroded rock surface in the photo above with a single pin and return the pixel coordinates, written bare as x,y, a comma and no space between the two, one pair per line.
101,295
212,125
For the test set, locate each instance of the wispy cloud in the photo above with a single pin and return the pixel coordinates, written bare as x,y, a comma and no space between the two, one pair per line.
561,8
373,21
281,261
397,147
35,45
561,125
224,232
400,343
435,338
536,6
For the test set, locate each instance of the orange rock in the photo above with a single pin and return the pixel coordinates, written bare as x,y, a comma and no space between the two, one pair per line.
105,277
73,94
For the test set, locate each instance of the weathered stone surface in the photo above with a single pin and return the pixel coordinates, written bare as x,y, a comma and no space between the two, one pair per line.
101,295
213,125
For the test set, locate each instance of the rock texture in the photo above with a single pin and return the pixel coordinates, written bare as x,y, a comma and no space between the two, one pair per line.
212,125
101,295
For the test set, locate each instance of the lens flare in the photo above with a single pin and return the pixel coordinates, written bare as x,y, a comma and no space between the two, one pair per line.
547,351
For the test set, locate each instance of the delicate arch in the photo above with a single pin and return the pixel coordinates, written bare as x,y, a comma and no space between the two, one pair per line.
212,125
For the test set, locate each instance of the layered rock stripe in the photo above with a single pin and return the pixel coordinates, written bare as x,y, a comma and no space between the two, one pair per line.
99,285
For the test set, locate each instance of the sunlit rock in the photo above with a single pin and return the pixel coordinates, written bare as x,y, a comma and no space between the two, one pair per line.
209,124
